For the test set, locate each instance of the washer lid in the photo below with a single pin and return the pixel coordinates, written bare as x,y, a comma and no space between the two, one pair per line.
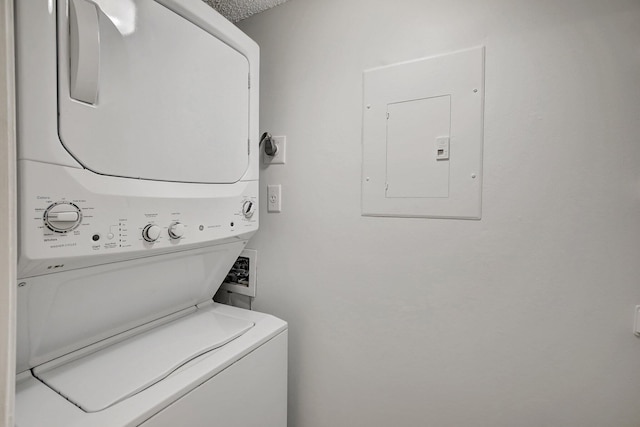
113,374
145,93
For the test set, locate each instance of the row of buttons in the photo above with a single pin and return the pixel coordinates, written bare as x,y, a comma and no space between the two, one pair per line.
151,232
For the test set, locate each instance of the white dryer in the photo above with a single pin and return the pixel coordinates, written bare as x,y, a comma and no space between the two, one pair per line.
138,188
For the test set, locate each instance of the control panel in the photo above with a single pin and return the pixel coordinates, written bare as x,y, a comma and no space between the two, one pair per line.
71,225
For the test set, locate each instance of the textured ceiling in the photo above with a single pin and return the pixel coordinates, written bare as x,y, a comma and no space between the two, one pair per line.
236,10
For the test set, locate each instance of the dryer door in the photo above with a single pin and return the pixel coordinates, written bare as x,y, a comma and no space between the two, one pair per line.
144,93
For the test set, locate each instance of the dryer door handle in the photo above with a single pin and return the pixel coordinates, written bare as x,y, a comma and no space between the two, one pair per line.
84,50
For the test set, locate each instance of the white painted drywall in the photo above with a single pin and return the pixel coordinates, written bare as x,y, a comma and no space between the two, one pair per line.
7,216
521,319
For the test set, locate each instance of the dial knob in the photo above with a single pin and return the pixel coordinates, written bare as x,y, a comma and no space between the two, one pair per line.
62,217
176,230
151,232
248,208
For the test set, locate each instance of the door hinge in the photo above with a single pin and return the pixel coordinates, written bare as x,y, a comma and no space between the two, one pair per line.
248,146
249,81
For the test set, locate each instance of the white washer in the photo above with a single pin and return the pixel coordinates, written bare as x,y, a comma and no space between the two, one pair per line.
137,149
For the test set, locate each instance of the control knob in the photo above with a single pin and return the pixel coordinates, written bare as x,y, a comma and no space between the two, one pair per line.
151,232
176,230
62,217
248,208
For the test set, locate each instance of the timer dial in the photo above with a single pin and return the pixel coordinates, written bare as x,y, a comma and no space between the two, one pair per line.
62,217
176,230
151,232
248,208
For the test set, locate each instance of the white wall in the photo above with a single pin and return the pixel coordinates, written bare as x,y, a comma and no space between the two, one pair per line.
521,319
7,216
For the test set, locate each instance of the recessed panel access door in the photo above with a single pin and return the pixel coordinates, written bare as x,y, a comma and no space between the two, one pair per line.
413,167
422,137
144,93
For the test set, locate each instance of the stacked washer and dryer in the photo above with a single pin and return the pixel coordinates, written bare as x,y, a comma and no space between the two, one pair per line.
138,188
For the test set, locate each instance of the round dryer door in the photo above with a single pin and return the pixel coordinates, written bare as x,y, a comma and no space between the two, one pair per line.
144,93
